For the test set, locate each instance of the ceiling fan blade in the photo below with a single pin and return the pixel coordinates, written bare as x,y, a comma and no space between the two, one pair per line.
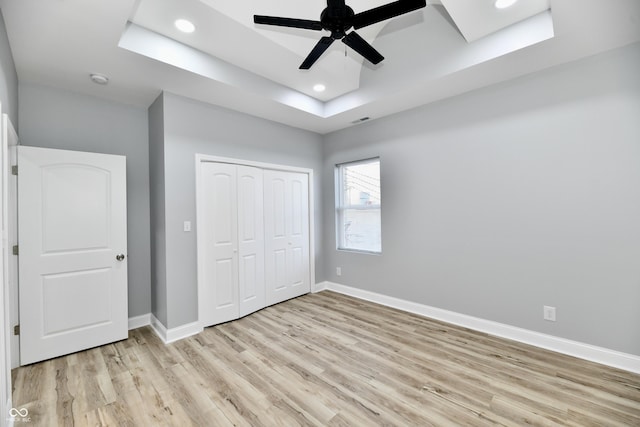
385,12
288,22
317,52
360,45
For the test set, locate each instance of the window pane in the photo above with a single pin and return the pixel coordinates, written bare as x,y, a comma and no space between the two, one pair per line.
358,210
361,184
362,229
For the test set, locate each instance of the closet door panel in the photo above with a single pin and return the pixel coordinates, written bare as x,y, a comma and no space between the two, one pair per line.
299,268
280,269
224,283
278,206
275,205
298,212
220,236
248,279
251,239
286,235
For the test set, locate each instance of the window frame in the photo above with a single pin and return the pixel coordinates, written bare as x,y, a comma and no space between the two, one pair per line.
341,208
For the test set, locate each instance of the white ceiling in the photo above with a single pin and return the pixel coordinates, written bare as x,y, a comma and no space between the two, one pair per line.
448,48
476,19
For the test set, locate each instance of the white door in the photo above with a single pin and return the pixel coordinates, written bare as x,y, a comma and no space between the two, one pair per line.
73,242
219,237
287,267
250,240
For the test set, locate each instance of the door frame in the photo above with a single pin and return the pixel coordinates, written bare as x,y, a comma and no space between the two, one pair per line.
10,143
206,158
9,348
5,347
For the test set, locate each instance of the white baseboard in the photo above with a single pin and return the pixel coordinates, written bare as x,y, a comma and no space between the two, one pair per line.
174,334
319,287
158,328
589,352
139,321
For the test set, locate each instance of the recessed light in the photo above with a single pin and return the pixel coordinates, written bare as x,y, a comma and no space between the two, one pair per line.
503,4
319,87
100,79
185,26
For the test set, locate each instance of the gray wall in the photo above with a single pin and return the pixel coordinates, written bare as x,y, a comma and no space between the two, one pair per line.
157,201
54,118
193,127
8,77
494,203
503,200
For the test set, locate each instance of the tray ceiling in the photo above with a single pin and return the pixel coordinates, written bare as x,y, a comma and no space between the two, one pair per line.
443,50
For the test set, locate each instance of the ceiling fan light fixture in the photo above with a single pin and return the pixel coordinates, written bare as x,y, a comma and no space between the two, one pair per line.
319,87
503,4
185,26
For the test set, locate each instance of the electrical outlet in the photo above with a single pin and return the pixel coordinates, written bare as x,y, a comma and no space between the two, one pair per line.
549,313
338,271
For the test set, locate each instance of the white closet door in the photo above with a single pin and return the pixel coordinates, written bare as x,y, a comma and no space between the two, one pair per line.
219,302
287,269
299,272
250,240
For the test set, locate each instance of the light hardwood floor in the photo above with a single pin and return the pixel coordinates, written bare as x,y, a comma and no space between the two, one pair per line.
325,359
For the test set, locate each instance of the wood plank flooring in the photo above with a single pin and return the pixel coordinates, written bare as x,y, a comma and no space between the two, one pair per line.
325,360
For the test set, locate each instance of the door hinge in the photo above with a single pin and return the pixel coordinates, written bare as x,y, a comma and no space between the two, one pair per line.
16,330
15,250
14,170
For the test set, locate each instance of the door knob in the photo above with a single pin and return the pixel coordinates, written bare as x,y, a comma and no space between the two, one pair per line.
120,257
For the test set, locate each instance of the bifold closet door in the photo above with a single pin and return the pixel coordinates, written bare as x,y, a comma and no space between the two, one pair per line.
233,238
219,232
286,215
251,285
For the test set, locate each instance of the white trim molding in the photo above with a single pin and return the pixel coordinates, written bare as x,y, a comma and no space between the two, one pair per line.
319,287
139,321
10,420
604,356
174,334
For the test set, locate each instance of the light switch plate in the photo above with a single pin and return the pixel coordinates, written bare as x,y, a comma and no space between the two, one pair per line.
187,226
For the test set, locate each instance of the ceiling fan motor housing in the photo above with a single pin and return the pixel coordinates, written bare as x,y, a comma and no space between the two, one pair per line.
338,20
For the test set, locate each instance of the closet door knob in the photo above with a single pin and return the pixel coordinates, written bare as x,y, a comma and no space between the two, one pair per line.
120,257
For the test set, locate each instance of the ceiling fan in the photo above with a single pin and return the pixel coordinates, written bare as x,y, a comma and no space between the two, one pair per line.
339,18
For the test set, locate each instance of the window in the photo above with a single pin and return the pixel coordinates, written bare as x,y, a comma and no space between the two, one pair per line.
358,206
